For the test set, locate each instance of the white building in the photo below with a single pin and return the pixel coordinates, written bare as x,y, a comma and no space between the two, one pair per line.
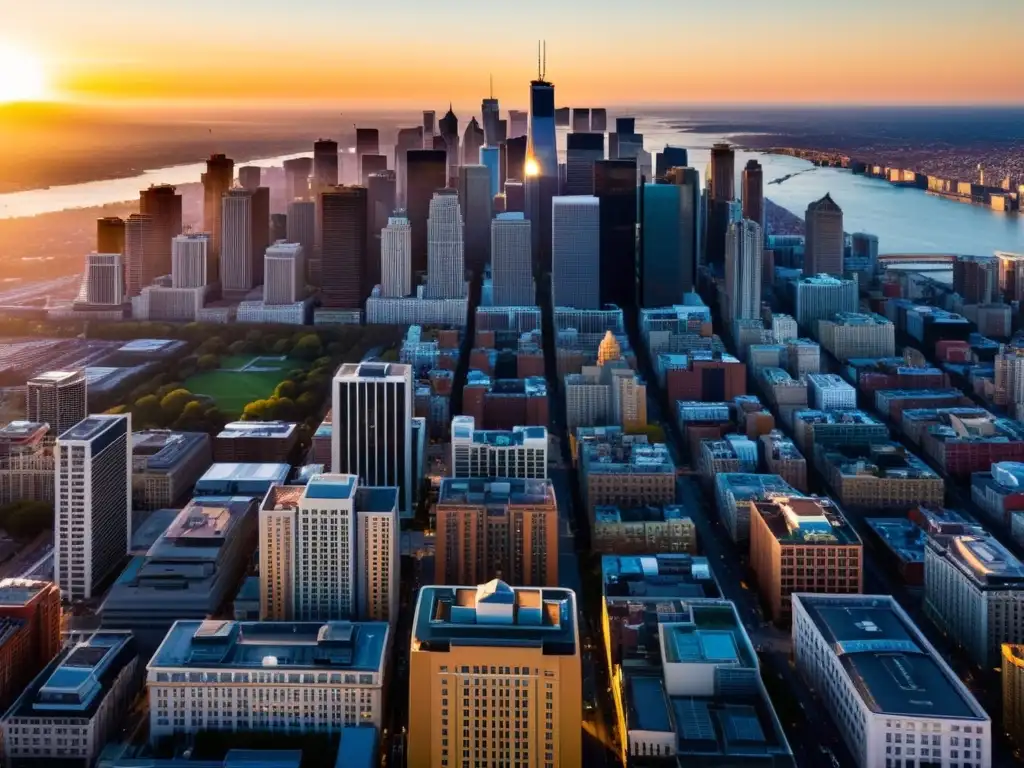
308,677
743,245
830,392
512,261
416,311
446,263
296,313
974,591
57,398
93,503
190,256
575,252
182,305
894,699
783,328
521,452
104,278
301,225
329,551
284,274
588,400
856,334
822,296
396,258
236,267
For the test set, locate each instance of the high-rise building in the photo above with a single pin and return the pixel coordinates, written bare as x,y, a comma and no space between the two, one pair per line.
408,138
325,165
580,120
220,171
249,177
823,251
542,164
381,191
665,275
104,279
369,165
576,252
490,156
518,123
976,278
343,210
236,263
260,231
490,113
429,128
396,258
723,173
139,243
598,119
743,245
93,503
285,274
457,706
521,452
297,172
372,426
329,551
668,158
511,266
864,254
475,201
446,267
427,174
367,143
1012,678
513,158
278,227
615,188
57,398
302,226
583,150
515,197
110,235
821,297
448,127
472,143
753,192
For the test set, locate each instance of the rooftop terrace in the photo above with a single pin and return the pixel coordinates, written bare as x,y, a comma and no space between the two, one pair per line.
658,577
481,491
814,520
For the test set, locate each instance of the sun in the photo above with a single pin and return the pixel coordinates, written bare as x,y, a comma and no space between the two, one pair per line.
22,75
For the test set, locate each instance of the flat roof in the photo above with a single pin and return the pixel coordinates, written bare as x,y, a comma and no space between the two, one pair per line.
20,592
146,533
807,521
257,429
164,449
56,377
23,430
885,657
981,558
336,487
230,471
92,427
504,491
373,371
658,577
147,345
903,538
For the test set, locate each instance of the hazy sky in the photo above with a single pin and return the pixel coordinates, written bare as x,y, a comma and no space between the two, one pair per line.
400,53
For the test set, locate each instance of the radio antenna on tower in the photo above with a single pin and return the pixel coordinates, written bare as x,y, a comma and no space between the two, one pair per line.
539,75
544,68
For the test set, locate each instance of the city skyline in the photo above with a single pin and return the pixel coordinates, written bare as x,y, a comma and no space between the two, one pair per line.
803,54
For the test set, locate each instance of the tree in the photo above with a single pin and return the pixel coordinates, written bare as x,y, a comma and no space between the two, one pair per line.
237,348
147,411
308,403
281,347
208,362
173,405
193,417
308,347
257,410
25,518
286,388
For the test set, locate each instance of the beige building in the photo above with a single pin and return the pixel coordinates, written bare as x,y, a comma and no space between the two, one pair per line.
489,529
855,334
643,530
879,476
782,457
616,470
802,545
823,254
495,678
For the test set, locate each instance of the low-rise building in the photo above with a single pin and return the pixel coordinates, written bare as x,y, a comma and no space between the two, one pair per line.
904,537
960,445
505,403
802,545
828,392
26,462
30,632
855,334
812,427
735,453
999,493
781,457
892,403
884,684
803,356
256,441
706,376
625,473
166,466
644,529
915,422
521,452
871,374
784,392
233,479
878,476
734,492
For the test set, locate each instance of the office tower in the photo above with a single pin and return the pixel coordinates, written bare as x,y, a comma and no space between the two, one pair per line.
514,158
505,528
408,138
692,220
584,149
260,231
542,164
449,131
753,192
249,177
93,503
475,199
31,616
446,267
104,279
139,242
396,258
472,141
490,113
502,133
367,143
110,235
744,242
429,128
521,452
302,225
664,273
285,274
668,158
457,706
864,250
163,205
296,177
369,165
515,196
381,190
329,551
371,433
976,278
723,173
343,259
491,158
821,296
576,252
615,186
220,171
823,252
278,227
598,119
498,204
511,264
721,213
427,174
580,122
57,398
236,272
518,123
325,165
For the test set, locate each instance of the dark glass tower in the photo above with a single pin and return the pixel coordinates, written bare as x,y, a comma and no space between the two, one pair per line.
668,158
582,151
541,169
325,164
381,188
344,246
427,169
615,187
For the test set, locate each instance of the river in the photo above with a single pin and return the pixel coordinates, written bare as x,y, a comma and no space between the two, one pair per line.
905,220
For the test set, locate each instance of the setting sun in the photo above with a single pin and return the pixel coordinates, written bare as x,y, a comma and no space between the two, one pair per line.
22,76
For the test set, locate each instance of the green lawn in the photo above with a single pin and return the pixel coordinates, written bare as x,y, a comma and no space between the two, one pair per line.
233,390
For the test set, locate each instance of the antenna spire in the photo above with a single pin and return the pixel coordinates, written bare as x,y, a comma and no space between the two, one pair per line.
544,70
492,86
539,75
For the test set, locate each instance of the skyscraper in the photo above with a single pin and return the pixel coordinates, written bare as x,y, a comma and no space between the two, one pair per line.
583,150
249,177
744,243
490,113
515,196
286,274
408,138
163,205
723,173
429,128
576,252
236,259
372,426
692,221
93,503
110,235
220,171
491,157
381,191
598,119
518,123
302,226
344,246
367,143
57,398
475,201
446,269
369,165
472,141
823,253
278,227
449,130
663,270
104,279
542,163
325,164
670,157
260,231
296,178
427,174
753,192
511,264
139,243
190,255
615,187
721,213
396,257
580,120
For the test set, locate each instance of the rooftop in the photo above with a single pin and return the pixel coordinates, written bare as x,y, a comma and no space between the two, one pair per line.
162,449
15,593
147,345
781,447
91,427
823,280
981,558
812,520
887,460
658,578
145,533
609,514
827,381
902,536
860,318
813,416
336,487
257,473
374,371
56,377
314,646
267,429
23,431
487,492
625,457
464,428
887,659
496,615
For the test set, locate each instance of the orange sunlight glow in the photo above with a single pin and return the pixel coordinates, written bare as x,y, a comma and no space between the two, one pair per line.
22,75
